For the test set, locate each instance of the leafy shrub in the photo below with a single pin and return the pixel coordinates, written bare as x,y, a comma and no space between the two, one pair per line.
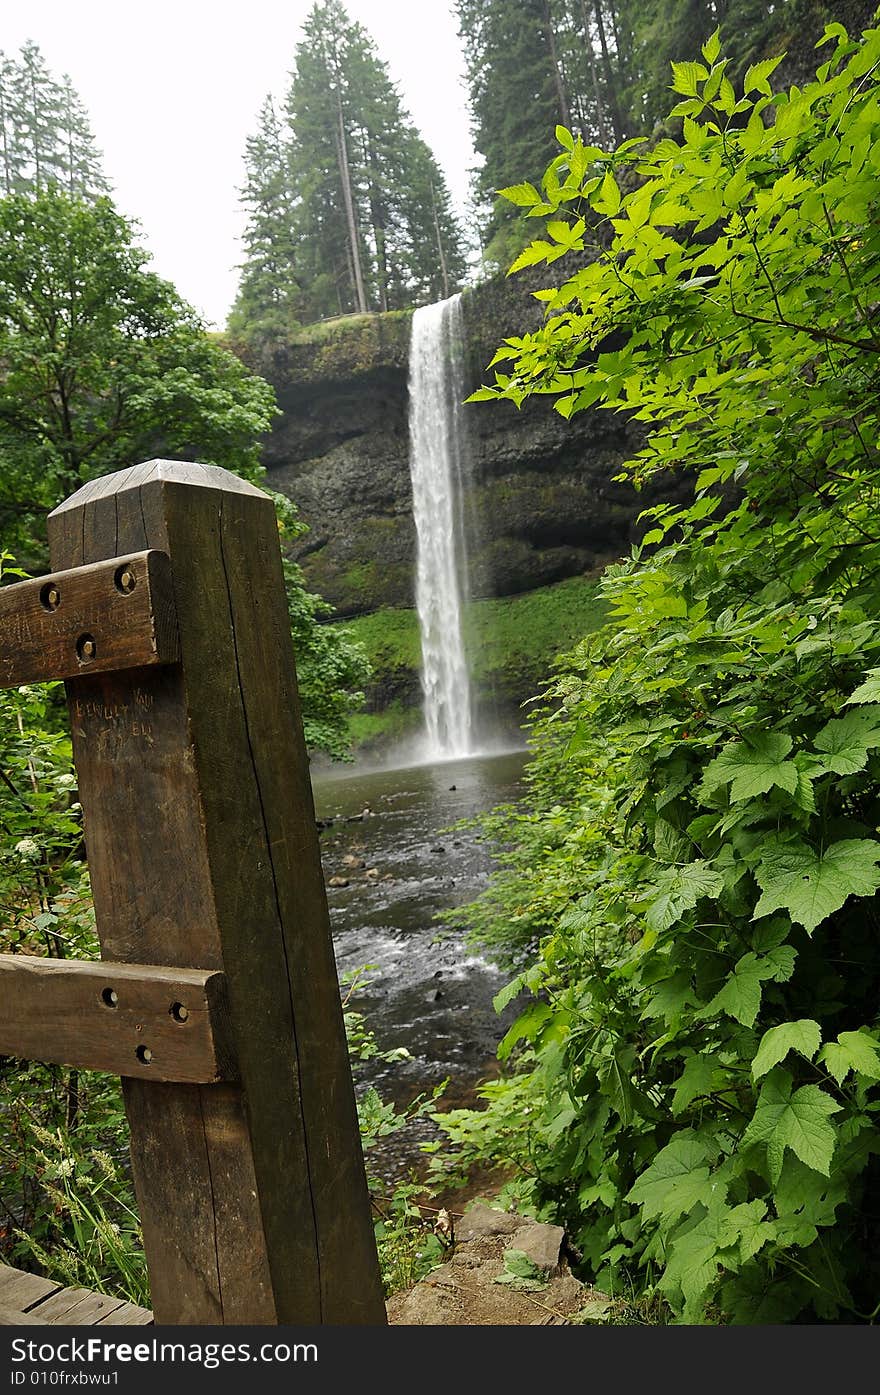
691,889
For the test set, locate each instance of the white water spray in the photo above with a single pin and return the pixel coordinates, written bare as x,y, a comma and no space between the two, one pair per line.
436,389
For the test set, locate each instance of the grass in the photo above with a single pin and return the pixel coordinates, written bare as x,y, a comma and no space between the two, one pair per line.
512,643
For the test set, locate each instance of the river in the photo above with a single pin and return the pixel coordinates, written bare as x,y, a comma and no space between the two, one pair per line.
426,990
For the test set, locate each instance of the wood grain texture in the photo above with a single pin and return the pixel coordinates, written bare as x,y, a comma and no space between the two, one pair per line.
30,1300
20,1290
203,849
134,1020
113,615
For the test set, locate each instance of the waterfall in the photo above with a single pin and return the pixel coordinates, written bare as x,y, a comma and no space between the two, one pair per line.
436,389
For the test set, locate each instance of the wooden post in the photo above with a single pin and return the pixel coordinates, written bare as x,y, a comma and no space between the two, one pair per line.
203,852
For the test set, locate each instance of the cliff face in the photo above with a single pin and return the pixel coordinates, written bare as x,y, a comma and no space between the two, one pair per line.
542,505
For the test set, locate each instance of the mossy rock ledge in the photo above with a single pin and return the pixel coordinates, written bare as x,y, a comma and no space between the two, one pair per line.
542,503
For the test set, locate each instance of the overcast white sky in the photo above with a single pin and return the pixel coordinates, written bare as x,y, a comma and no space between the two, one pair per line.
173,89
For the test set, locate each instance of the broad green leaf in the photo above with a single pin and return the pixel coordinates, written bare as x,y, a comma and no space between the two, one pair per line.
678,889
741,995
797,1121
523,195
869,691
812,886
508,993
671,997
712,47
608,198
853,1051
701,1075
757,75
533,254
846,741
677,1179
527,1025
685,77
521,1272
803,1036
753,767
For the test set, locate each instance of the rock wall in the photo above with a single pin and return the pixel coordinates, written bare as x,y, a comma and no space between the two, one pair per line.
542,506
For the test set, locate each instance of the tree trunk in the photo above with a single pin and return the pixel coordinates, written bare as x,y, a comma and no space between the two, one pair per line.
594,78
561,94
616,118
354,241
441,254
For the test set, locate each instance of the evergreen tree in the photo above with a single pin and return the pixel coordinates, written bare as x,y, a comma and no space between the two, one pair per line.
81,162
268,293
601,68
39,110
515,97
45,137
349,211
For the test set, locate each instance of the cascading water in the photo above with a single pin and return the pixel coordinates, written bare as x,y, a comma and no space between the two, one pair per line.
436,389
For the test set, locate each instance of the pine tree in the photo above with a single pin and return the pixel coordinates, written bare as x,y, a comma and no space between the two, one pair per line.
516,91
269,294
45,138
40,110
81,162
352,205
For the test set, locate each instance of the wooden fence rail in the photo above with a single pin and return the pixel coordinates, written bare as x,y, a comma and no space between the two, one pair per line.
219,1005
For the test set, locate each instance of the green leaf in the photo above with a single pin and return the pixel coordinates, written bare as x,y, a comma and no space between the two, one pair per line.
685,77
678,889
712,47
533,254
853,1051
608,198
869,691
753,767
677,1179
741,995
701,1075
811,886
508,993
521,1272
527,1025
797,1121
802,1036
523,195
757,75
692,1268
846,741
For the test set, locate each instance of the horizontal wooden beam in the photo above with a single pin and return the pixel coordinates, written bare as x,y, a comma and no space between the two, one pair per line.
128,1019
111,615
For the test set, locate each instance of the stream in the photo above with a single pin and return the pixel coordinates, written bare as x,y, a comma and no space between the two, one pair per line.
426,990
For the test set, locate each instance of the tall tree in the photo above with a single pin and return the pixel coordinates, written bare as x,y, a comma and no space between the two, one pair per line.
351,195
80,160
269,289
45,137
104,365
515,97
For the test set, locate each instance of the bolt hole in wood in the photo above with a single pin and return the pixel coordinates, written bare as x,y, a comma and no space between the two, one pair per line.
125,579
110,997
144,1054
179,1012
50,596
86,648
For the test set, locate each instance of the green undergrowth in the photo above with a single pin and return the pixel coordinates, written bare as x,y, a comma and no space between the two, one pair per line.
511,642
689,895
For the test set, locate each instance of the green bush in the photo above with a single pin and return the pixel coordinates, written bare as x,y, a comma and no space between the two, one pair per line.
691,886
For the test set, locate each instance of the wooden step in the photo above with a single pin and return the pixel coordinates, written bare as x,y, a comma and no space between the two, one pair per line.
29,1299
